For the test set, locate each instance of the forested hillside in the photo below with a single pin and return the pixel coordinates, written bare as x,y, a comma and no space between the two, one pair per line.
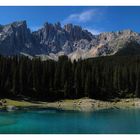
101,78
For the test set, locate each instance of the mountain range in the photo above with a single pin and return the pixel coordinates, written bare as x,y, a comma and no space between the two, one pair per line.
53,40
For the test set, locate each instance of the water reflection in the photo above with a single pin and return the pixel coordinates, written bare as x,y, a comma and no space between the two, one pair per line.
51,121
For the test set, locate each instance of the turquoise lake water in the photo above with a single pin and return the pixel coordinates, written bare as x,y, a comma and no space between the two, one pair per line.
51,121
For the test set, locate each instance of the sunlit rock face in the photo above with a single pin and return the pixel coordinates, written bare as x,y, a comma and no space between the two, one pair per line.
53,40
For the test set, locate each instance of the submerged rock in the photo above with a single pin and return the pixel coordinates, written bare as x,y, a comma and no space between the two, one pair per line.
11,108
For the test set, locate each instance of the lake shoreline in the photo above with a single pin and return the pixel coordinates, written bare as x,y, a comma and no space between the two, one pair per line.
83,104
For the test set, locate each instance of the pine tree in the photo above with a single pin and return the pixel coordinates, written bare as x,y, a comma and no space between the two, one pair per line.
77,80
15,87
66,90
137,90
88,84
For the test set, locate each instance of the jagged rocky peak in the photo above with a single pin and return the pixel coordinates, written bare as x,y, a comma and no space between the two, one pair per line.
130,33
71,29
107,36
72,40
58,26
68,27
127,31
15,28
124,35
76,32
55,38
50,32
50,26
19,23
14,25
57,33
20,29
14,37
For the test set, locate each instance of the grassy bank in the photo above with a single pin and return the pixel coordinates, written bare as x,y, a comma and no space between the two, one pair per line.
84,104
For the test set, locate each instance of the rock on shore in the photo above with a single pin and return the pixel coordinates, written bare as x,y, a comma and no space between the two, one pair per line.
83,104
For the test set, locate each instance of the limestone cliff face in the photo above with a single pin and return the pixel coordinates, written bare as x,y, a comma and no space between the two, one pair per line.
53,40
14,38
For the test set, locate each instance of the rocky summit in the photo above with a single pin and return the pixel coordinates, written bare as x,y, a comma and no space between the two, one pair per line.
53,40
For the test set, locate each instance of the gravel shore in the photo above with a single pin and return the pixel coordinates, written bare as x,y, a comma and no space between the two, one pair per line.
83,104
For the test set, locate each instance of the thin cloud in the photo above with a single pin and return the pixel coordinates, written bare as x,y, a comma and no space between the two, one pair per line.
81,17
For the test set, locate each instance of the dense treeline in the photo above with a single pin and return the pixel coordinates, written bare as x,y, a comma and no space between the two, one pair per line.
99,78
